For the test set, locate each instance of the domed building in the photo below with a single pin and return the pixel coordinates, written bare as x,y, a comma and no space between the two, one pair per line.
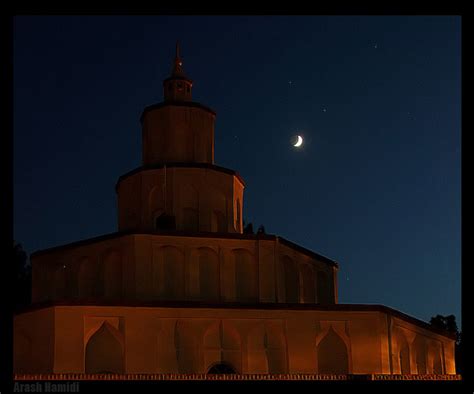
180,289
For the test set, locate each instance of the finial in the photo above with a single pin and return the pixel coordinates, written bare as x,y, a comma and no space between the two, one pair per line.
177,61
177,49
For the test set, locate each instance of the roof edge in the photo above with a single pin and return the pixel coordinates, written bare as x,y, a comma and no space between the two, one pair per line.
201,234
239,305
162,104
160,166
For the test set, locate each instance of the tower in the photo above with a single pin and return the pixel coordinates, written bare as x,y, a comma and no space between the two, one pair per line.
178,186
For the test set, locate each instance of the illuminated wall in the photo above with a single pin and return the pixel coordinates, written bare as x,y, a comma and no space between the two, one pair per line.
137,339
158,267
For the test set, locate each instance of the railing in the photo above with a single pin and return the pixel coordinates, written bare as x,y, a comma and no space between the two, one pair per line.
202,376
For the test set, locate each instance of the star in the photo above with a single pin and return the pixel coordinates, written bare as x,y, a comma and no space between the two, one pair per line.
375,46
289,82
324,109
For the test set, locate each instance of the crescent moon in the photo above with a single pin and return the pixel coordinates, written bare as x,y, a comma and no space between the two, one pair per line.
299,142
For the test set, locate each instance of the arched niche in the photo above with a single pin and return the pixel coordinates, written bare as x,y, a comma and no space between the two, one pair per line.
223,336
332,354
435,356
292,279
218,222
186,347
419,348
104,351
246,275
168,273
222,343
323,288
256,351
208,261
275,348
156,202
218,204
112,263
89,278
189,197
403,353
309,283
60,285
190,219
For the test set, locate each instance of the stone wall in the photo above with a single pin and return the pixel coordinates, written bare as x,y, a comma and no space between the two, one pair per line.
149,340
164,267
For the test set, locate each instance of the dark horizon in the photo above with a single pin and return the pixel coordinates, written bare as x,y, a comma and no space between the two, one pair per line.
376,186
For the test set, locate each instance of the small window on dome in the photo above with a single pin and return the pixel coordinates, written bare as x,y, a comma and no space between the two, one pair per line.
180,86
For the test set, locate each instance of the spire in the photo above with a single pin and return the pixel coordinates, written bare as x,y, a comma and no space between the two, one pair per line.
177,87
178,64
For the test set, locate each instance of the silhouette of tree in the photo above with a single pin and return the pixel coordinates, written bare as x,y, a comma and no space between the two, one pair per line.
22,269
448,323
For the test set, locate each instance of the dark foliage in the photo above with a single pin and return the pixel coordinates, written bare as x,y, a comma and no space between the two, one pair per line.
22,269
449,324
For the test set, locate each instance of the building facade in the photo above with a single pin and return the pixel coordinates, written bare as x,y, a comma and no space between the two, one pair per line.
179,288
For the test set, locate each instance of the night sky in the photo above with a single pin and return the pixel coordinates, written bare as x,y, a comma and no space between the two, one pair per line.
376,185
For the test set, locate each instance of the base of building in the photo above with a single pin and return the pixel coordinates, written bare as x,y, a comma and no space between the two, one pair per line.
201,376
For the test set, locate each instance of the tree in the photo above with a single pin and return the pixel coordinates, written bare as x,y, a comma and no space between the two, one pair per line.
22,269
448,323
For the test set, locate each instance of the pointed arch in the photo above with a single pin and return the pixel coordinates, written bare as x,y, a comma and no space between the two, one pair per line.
190,207
437,361
323,288
104,351
292,280
218,223
186,347
403,354
222,344
112,262
89,283
332,354
256,351
309,282
156,202
208,261
218,202
246,275
419,347
173,272
275,348
60,282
